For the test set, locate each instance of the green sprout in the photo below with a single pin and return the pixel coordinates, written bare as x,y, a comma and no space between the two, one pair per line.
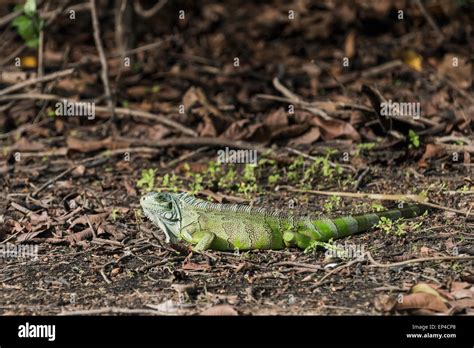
29,23
115,214
147,180
414,139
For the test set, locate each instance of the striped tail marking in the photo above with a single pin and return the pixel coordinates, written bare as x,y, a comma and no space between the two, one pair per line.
349,225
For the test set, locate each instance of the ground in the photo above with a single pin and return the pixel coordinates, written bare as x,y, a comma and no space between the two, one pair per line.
71,185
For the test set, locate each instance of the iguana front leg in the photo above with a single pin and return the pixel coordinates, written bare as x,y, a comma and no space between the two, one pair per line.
292,239
202,240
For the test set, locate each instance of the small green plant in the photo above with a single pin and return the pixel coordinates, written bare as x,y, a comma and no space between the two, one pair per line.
377,207
331,203
197,184
247,189
171,182
329,245
304,174
115,214
273,179
364,147
295,168
51,112
147,181
327,168
249,173
465,189
213,170
385,224
399,227
228,180
29,23
414,139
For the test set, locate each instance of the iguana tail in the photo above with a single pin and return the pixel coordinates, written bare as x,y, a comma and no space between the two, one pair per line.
325,229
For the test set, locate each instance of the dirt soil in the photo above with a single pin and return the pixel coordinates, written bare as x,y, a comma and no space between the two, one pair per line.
71,186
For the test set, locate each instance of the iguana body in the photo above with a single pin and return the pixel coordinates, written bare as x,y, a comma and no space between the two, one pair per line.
239,227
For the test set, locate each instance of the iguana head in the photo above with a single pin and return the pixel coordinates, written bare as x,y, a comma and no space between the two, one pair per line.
163,209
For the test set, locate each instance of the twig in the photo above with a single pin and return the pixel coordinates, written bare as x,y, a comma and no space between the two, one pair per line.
22,209
380,196
297,100
12,277
151,11
422,259
361,177
94,235
102,273
14,54
40,54
103,61
9,17
154,117
335,270
187,156
119,111
114,310
217,142
322,104
36,80
332,164
430,19
298,264
379,69
50,181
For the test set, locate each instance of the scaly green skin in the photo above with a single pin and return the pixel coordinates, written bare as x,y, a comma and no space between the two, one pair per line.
223,227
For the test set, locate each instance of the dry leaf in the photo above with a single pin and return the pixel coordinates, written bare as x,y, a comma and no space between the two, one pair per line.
27,236
457,69
331,129
459,286
95,219
196,266
168,306
36,219
307,138
463,293
431,151
26,145
422,301
384,303
427,289
79,171
461,305
83,145
412,59
349,44
79,236
221,310
425,251
29,62
137,91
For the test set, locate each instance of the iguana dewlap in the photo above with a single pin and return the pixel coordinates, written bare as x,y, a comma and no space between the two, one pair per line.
216,226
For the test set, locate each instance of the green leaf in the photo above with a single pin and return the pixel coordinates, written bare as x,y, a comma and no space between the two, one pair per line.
21,22
30,7
32,43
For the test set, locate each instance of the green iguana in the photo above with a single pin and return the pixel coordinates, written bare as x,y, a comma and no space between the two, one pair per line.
216,226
